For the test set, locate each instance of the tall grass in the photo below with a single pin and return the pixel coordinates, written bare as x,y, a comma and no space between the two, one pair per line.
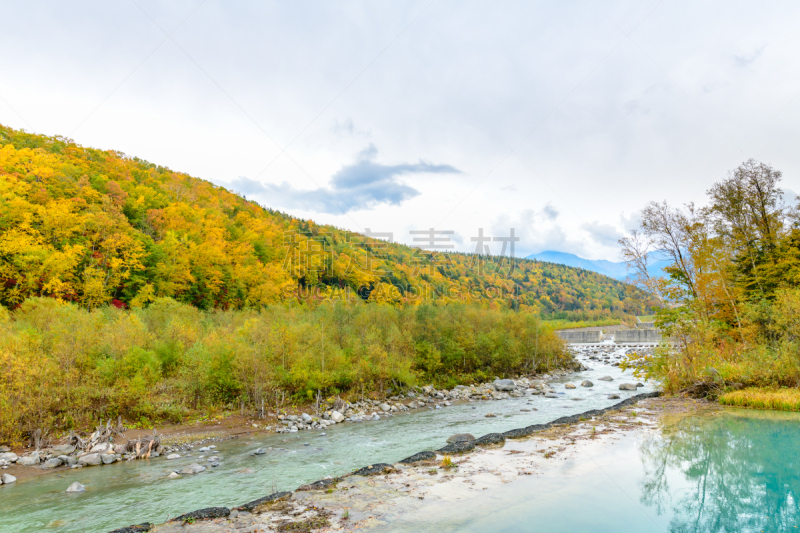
762,398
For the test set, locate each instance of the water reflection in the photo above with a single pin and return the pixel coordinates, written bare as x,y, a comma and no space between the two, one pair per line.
732,472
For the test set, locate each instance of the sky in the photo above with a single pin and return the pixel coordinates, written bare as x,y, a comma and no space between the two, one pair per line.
560,119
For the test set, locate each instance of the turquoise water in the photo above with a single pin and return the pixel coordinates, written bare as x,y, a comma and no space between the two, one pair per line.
735,472
126,493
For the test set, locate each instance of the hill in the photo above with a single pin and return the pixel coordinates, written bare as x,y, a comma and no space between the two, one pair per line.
98,227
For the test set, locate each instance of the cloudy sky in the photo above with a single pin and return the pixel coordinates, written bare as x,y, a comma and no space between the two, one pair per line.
559,119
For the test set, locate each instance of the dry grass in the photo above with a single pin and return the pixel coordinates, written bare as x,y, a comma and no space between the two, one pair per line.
759,398
178,439
447,462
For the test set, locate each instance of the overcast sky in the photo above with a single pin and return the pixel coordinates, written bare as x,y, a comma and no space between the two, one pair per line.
560,119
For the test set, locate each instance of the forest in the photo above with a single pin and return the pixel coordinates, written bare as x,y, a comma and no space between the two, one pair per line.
97,228
132,290
731,298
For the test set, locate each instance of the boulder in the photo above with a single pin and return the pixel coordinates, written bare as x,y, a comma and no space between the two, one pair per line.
173,475
460,437
173,456
4,449
613,396
551,395
92,459
11,457
337,417
76,487
260,451
306,418
193,468
29,460
108,458
606,378
8,478
68,460
103,447
385,407
62,449
504,384
587,383
490,415
569,386
640,385
55,462
627,386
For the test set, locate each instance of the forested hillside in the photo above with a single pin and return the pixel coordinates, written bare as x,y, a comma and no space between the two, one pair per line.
97,227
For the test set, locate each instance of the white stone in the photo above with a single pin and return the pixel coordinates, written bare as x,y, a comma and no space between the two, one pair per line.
8,478
193,468
337,417
29,460
173,456
76,487
11,457
93,459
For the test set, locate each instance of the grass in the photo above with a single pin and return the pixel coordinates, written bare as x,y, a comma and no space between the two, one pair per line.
567,324
783,399
447,462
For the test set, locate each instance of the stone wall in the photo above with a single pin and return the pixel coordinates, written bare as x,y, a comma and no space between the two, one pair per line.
637,335
581,336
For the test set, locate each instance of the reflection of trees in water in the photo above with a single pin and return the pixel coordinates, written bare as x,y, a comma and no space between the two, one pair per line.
742,474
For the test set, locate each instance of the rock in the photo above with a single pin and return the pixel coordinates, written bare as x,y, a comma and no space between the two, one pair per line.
460,437
306,418
29,460
627,386
337,417
569,386
504,384
385,407
204,449
203,514
11,457
55,462
93,459
103,447
490,415
260,451
639,385
587,383
108,458
606,378
193,468
8,478
213,459
173,475
62,449
613,396
69,460
4,449
76,487
173,456
551,395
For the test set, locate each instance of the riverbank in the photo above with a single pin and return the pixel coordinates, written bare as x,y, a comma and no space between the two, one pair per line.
376,493
174,440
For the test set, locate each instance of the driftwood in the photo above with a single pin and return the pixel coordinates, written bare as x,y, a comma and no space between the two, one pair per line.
143,447
102,434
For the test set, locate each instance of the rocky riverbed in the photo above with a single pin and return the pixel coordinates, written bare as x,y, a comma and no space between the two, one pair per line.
384,493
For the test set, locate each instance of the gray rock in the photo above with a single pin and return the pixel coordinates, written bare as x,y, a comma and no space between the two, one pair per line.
551,395
193,468
103,447
627,386
613,396
385,407
173,456
204,449
93,459
173,475
640,385
69,460
76,487
55,462
504,384
460,437
4,449
260,451
587,383
490,415
11,457
337,417
569,386
62,449
8,478
108,458
306,418
29,460
606,378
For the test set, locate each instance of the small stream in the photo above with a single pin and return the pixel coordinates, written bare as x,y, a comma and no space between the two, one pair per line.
128,493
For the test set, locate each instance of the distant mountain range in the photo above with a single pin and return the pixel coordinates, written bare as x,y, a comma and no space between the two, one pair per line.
601,266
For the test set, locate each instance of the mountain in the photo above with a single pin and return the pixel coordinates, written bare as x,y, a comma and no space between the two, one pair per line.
98,227
601,266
